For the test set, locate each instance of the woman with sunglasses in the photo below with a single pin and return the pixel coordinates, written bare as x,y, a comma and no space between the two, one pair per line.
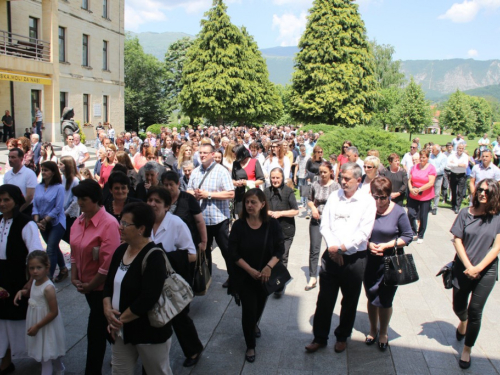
342,158
421,188
391,229
276,158
371,172
477,243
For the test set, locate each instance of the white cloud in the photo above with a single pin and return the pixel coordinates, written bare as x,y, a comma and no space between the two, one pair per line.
472,53
468,10
290,27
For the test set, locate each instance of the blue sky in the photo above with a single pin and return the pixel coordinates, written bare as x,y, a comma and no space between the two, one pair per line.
418,29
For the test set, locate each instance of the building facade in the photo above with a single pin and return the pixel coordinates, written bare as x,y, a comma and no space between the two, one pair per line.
62,53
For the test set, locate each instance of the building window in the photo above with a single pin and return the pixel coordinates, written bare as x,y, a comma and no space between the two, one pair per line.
85,4
104,55
85,50
33,28
105,108
35,101
105,8
86,108
63,101
62,44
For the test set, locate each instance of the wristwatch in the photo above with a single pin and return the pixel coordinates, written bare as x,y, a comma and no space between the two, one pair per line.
209,196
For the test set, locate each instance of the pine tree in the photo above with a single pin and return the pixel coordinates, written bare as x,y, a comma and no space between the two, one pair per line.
414,111
334,82
224,77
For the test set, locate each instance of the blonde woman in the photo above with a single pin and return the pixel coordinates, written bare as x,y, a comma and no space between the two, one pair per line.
276,158
371,169
108,164
229,156
185,154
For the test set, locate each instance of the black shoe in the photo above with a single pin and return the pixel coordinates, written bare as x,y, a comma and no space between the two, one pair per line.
226,284
279,293
258,333
192,361
250,358
464,365
383,346
434,211
459,336
369,341
8,370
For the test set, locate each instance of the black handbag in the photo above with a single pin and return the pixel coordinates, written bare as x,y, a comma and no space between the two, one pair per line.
202,277
447,272
279,273
399,268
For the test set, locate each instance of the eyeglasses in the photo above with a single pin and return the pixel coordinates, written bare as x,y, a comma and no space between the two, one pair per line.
485,191
414,147
369,167
318,152
124,224
381,197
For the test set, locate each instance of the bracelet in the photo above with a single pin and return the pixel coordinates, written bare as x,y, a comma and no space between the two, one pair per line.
267,265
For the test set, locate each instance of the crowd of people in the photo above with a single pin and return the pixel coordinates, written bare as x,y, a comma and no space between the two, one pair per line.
172,194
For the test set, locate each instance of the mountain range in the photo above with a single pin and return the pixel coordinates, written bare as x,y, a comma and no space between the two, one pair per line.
438,78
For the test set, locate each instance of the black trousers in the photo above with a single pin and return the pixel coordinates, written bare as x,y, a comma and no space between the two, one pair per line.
418,210
97,334
480,289
221,234
8,132
457,184
287,243
186,333
253,300
315,239
332,278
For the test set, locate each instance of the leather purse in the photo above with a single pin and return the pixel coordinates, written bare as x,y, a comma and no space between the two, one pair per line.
399,268
447,273
202,277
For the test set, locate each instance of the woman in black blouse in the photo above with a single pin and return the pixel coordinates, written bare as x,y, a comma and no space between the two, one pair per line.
126,308
476,232
313,164
398,178
256,245
119,185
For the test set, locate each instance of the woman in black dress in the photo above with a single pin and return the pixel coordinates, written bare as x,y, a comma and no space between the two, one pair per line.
256,245
391,225
19,236
119,185
476,232
398,177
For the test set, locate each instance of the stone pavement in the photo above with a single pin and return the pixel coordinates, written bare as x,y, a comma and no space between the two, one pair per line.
422,331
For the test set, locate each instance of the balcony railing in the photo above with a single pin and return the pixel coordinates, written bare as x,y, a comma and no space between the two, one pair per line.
24,46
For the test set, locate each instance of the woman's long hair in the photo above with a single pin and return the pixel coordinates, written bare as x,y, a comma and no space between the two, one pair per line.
280,154
181,158
52,166
124,159
70,171
493,204
228,152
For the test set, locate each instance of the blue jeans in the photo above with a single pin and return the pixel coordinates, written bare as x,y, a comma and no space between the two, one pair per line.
39,129
52,236
302,182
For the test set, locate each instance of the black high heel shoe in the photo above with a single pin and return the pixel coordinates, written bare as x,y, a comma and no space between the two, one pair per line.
371,341
250,358
459,336
383,345
463,364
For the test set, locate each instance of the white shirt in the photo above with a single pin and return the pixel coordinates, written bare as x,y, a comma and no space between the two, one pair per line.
348,222
454,160
74,152
270,164
407,162
82,150
173,234
30,234
24,179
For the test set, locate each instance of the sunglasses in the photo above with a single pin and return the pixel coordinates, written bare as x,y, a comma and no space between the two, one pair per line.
381,197
485,191
413,147
318,152
369,167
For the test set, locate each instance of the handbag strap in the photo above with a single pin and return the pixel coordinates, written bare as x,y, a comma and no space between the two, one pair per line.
206,174
169,267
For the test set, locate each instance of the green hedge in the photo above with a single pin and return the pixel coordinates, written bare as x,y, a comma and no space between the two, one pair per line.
83,138
365,139
156,128
316,128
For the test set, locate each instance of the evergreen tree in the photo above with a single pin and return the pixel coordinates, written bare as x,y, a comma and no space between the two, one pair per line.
333,81
175,58
458,114
414,111
225,77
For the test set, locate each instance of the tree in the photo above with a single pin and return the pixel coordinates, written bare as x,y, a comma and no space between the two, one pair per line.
333,81
175,58
145,101
224,76
386,114
414,111
458,114
387,71
482,111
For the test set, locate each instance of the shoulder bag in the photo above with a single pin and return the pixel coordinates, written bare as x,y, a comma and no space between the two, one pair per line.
447,272
202,277
399,268
174,297
279,273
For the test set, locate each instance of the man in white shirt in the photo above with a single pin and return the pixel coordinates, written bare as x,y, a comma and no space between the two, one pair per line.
457,163
24,178
70,149
484,142
407,161
458,141
447,172
352,154
485,169
346,224
83,153
439,160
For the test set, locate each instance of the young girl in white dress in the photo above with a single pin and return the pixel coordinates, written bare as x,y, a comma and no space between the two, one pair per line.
46,339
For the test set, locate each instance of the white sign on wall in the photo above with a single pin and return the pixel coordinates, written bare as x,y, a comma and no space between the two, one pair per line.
97,110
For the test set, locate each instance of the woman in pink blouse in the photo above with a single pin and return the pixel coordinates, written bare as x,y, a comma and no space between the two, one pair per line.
421,187
94,238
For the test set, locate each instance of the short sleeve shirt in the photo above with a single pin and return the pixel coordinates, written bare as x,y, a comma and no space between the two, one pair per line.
477,233
24,179
419,177
479,172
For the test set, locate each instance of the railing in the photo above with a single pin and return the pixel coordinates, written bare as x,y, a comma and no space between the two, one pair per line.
24,46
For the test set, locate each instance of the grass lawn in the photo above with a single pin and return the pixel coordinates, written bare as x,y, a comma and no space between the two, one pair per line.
442,140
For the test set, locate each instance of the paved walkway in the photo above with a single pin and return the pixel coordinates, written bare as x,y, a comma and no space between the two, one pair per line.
422,332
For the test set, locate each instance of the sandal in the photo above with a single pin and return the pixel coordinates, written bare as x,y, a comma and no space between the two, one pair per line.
62,275
309,287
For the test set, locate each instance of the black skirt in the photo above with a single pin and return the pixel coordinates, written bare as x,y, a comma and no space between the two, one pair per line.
378,294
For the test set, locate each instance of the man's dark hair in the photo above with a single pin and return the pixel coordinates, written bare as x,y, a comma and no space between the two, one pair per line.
20,153
88,188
